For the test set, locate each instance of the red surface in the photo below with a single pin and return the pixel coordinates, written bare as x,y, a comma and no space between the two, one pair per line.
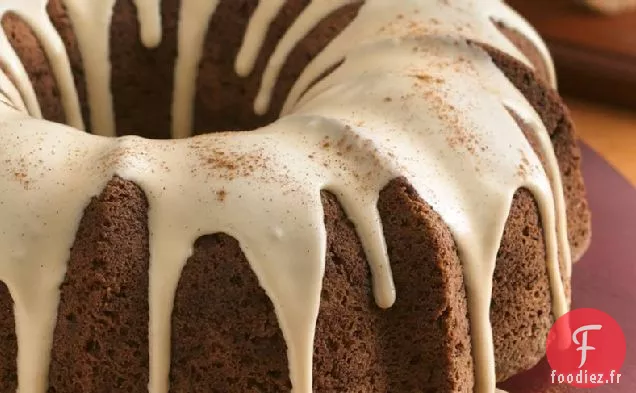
605,278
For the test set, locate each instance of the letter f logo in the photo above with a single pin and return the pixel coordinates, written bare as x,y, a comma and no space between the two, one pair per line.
583,344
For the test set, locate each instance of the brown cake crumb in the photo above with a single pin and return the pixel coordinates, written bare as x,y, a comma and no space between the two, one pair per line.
101,339
8,343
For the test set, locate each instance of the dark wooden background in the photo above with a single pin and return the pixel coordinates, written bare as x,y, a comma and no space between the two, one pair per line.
595,54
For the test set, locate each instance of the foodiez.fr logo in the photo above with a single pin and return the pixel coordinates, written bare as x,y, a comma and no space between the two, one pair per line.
586,348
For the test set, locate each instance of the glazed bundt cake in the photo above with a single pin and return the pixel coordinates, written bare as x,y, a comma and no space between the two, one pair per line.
403,218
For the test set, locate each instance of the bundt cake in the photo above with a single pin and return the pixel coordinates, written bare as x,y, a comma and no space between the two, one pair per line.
403,218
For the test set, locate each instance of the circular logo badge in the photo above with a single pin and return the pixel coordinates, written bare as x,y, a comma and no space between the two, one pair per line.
586,348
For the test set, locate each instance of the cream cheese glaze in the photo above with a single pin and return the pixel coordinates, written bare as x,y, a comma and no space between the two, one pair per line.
395,107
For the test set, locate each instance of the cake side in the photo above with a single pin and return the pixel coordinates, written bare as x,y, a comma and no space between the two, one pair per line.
410,337
524,330
426,342
556,118
101,336
225,333
413,345
357,344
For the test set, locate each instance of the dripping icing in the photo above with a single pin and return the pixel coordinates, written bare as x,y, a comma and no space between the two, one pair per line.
344,105
255,35
190,38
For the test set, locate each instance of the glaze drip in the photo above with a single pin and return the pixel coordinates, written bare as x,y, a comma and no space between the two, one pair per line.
149,12
91,22
191,38
255,35
394,108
